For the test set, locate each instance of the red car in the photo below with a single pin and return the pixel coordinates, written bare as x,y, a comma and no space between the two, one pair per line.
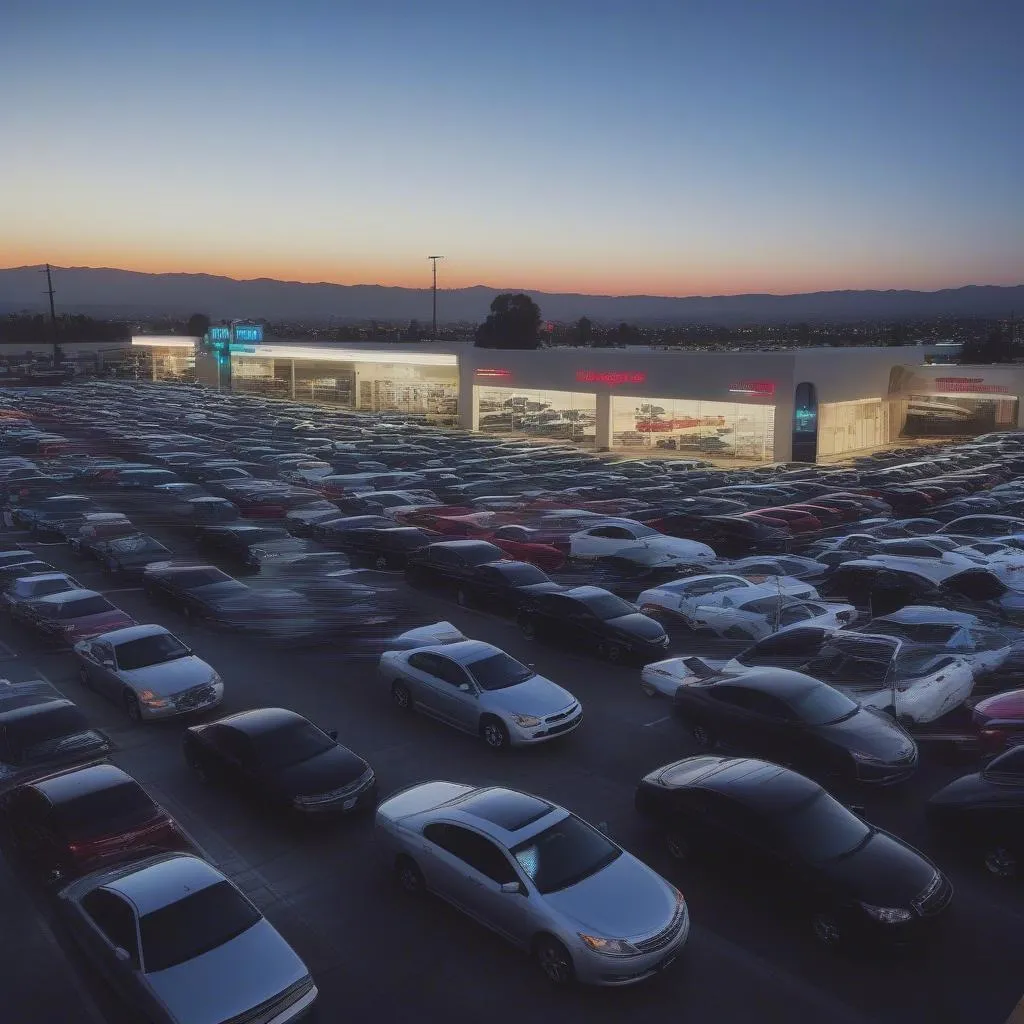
796,519
765,518
426,516
614,506
271,504
72,615
999,721
72,823
519,542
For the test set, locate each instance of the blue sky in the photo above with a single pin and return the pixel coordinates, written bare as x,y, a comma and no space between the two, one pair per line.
683,147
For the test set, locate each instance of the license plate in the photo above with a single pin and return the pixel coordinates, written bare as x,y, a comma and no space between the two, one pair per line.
349,804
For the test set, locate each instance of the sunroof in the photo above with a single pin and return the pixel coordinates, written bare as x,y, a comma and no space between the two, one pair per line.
506,809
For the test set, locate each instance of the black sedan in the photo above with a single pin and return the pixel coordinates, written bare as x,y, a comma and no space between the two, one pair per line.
129,556
505,586
596,620
786,838
332,531
984,813
233,540
197,591
387,548
449,562
795,719
282,760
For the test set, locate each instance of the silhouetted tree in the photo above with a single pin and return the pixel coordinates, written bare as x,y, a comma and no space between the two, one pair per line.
584,332
198,324
996,348
896,335
627,334
803,334
513,322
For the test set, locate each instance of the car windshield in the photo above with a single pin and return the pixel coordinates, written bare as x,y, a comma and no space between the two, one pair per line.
608,606
83,606
523,575
290,744
150,650
917,632
822,705
821,829
499,671
198,578
194,925
564,854
106,811
29,736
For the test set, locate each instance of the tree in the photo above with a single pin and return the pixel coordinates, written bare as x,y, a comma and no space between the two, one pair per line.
803,335
514,322
198,324
996,348
584,332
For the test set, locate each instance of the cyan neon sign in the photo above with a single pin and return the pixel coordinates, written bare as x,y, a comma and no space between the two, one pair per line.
248,332
219,334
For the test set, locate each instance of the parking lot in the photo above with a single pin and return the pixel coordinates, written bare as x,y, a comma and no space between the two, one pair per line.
374,952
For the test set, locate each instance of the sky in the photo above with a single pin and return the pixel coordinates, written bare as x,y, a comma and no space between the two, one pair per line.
601,146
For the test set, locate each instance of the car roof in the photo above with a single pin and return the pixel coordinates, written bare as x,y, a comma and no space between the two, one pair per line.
505,814
159,884
71,784
122,636
42,706
460,545
758,784
582,593
257,721
66,596
929,614
36,577
465,652
781,682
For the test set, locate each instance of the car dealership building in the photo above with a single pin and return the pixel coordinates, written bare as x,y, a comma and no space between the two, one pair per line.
802,404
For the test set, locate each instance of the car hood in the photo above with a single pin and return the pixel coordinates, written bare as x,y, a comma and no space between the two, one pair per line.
216,593
225,982
873,733
637,625
536,696
624,900
972,790
533,589
884,872
169,677
328,771
103,622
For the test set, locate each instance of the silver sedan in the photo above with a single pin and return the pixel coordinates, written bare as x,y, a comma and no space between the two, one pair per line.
539,876
480,689
180,943
149,672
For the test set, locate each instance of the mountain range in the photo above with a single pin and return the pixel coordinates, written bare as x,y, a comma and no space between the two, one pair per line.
129,294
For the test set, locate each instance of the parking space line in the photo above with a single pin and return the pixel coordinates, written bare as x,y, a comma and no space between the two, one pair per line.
657,721
123,590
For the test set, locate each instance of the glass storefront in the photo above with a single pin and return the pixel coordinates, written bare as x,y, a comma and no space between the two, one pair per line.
852,426
955,415
561,414
729,430
171,362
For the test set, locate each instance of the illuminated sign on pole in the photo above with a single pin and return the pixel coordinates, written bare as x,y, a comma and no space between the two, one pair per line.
247,332
215,334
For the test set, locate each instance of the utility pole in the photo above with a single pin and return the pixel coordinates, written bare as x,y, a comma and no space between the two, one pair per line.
433,321
53,316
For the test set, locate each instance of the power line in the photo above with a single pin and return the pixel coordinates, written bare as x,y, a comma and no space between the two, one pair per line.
433,328
53,314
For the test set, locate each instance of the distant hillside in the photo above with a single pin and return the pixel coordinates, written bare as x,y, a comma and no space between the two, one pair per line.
126,293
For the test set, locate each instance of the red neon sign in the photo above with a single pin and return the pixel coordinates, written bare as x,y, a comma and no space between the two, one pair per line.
491,372
762,388
973,384
610,377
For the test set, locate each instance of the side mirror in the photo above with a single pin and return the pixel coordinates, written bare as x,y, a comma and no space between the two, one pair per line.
511,887
858,809
603,826
122,955
333,733
107,663
464,687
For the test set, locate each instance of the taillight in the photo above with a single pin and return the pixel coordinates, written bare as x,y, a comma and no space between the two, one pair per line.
993,740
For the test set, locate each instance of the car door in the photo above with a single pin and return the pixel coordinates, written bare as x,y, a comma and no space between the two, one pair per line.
599,540
106,925
453,695
27,818
234,757
102,668
735,720
472,868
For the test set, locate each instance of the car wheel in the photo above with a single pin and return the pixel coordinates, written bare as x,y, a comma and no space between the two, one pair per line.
678,846
462,597
132,707
494,733
528,628
702,735
1001,862
400,694
409,876
380,563
186,613
649,691
83,677
554,960
826,929
611,652
199,768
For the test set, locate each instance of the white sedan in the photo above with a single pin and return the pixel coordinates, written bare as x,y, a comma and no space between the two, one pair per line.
681,598
480,689
757,617
607,538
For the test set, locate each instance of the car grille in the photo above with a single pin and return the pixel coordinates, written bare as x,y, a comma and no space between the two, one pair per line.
665,937
567,713
935,897
272,1007
195,697
363,782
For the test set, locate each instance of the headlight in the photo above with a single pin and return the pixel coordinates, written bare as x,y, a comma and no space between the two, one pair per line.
609,947
151,700
526,721
215,679
867,758
887,915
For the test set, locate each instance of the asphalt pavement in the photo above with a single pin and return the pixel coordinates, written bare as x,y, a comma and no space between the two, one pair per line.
376,954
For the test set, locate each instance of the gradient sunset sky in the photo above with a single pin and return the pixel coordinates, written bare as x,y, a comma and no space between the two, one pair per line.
678,147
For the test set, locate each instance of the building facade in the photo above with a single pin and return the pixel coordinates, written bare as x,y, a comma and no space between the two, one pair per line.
749,407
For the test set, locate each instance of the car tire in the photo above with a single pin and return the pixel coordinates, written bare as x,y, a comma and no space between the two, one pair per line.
554,960
528,628
826,929
83,677
186,612
494,733
401,696
678,846
702,735
132,707
462,598
613,653
1000,862
648,690
380,563
197,766
409,876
